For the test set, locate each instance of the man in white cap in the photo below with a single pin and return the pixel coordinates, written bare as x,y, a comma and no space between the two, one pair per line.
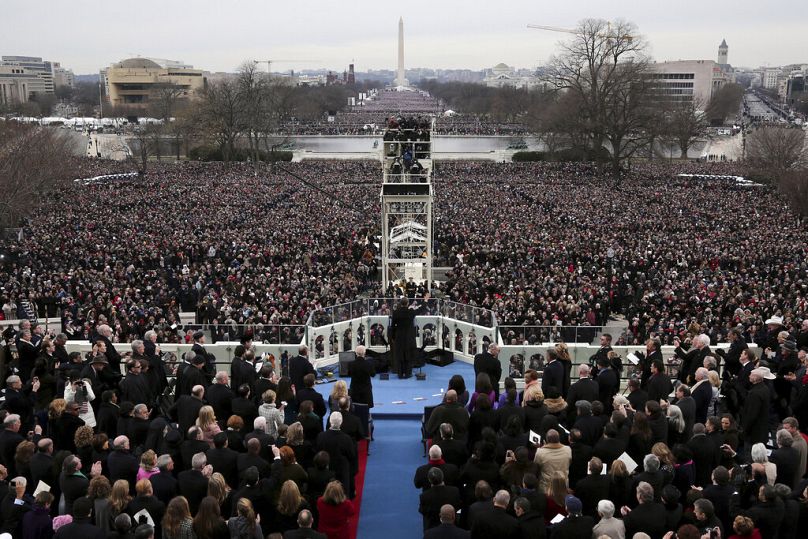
774,326
755,415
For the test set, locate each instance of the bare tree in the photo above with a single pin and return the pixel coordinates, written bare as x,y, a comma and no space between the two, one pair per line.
683,122
724,103
794,185
776,150
221,111
605,66
33,160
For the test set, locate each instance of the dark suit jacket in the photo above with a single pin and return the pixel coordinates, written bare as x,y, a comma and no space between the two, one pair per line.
495,523
361,372
80,529
164,486
303,533
491,366
445,531
585,389
9,440
122,465
637,399
299,366
648,518
451,473
702,397
454,451
191,376
688,407
194,486
185,411
311,394
225,461
553,376
755,415
220,397
590,490
608,385
107,419
659,387
705,458
42,470
573,527
242,372
342,451
431,501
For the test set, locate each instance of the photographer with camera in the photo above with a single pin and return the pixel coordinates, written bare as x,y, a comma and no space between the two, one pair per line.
80,391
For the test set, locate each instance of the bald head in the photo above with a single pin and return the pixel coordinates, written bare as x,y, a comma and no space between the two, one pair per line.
451,396
447,514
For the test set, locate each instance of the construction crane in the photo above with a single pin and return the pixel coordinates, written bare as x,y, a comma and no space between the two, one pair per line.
607,35
270,62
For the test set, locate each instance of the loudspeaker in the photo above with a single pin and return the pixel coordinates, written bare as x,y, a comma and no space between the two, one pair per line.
345,358
440,357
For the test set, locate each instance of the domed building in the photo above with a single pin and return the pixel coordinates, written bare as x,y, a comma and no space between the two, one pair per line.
132,82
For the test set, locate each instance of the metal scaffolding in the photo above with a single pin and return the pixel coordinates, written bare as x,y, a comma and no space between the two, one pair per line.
406,202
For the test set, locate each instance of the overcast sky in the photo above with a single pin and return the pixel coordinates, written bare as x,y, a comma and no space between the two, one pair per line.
218,35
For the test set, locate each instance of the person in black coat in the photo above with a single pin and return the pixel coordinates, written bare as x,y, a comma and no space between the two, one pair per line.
107,418
146,499
659,385
553,375
590,427
112,355
361,372
451,473
585,389
652,353
705,455
637,397
693,358
530,521
688,407
755,414
223,459
199,349
308,393
608,449
732,356
300,366
135,387
446,529
193,483
649,516
193,375
242,369
702,394
81,527
454,451
220,396
402,335
21,400
593,488
341,449
575,525
186,410
27,353
164,484
488,362
72,482
787,459
434,498
496,522
122,463
608,383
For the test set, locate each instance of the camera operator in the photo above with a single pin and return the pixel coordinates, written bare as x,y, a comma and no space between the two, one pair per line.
80,391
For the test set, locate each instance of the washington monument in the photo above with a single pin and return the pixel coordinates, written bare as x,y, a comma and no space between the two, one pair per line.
400,80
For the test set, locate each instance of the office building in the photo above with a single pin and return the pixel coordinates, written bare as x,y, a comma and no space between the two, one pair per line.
687,80
132,82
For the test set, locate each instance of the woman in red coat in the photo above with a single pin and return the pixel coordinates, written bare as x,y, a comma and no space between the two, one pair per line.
336,511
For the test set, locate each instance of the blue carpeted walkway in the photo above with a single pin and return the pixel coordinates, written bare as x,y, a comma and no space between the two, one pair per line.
390,501
407,398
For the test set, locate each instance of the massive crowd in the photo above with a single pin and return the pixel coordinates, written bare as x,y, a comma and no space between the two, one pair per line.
245,244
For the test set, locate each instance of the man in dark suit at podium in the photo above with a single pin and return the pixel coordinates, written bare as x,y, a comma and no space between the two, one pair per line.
402,333
361,372
300,366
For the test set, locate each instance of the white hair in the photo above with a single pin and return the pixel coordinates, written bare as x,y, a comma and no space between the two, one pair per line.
583,369
20,481
435,452
198,461
260,423
606,508
335,420
13,379
221,376
360,351
104,330
149,334
10,420
701,373
704,338
759,453
137,343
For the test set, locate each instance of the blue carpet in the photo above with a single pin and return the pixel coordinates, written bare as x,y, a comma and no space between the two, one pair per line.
404,392
389,500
